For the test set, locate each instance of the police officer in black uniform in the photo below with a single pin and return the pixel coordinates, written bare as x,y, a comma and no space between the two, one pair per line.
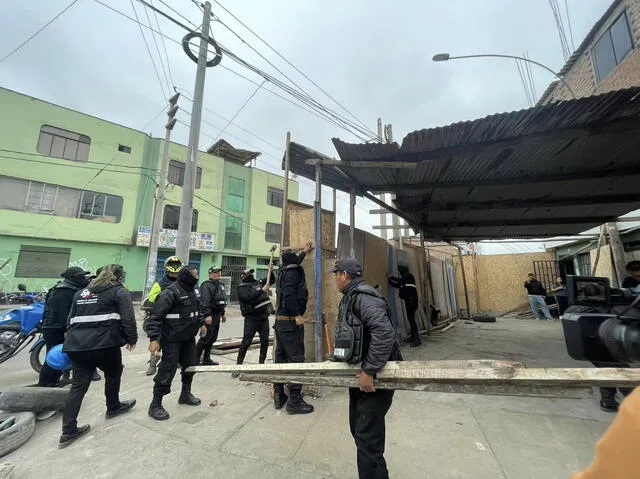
173,323
212,304
292,297
101,321
409,294
365,335
255,306
58,302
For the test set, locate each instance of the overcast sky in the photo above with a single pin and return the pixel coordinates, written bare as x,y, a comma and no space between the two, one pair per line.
373,56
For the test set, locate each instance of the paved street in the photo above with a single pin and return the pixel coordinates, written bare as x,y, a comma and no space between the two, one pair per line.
429,435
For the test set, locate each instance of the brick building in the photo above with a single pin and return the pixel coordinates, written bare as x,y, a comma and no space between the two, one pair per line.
607,59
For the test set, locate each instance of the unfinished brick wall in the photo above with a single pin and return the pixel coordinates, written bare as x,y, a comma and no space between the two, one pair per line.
582,77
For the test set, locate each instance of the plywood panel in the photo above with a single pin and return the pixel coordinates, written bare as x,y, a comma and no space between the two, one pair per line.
605,265
301,230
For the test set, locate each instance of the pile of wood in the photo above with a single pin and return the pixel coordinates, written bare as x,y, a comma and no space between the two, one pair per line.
502,378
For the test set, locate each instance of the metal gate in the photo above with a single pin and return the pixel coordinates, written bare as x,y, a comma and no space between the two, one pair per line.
546,272
233,266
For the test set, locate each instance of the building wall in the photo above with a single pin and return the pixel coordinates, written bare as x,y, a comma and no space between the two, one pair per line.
582,78
495,282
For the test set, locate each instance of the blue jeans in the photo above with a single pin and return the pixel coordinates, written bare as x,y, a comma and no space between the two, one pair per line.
536,301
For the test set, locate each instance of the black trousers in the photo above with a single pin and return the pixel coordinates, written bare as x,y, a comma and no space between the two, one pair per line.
84,364
366,420
289,347
206,341
411,307
563,304
50,377
253,325
609,394
174,353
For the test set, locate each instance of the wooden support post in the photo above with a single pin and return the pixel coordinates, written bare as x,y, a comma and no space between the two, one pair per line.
601,239
317,219
464,282
617,251
352,223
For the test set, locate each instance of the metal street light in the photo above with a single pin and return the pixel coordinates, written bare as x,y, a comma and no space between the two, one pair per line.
443,57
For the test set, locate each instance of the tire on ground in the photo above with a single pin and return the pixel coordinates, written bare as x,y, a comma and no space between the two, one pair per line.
484,318
17,434
34,399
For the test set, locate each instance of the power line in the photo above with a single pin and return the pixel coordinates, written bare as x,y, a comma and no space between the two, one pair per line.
290,64
103,168
62,12
239,110
148,49
31,160
164,45
153,35
230,214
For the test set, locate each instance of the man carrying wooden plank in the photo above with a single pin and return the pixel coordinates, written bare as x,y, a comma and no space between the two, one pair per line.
365,335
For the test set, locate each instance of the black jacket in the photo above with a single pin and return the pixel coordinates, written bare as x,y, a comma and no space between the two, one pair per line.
213,299
534,287
253,300
175,316
379,341
101,318
630,282
407,285
58,304
292,292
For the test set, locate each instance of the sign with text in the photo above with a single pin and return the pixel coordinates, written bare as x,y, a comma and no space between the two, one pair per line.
167,239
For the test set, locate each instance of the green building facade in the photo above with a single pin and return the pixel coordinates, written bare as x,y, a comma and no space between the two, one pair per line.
79,190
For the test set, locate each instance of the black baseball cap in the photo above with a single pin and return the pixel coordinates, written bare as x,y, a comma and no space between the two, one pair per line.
74,271
348,265
215,269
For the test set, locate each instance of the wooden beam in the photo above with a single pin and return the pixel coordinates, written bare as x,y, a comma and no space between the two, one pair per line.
521,222
489,389
501,181
363,163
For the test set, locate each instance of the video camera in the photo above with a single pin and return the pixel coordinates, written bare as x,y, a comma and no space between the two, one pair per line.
602,324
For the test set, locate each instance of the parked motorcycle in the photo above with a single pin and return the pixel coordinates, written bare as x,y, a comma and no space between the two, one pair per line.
23,296
18,328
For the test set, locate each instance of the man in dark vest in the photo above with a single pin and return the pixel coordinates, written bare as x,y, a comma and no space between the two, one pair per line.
409,294
292,297
255,306
173,323
365,335
213,302
54,320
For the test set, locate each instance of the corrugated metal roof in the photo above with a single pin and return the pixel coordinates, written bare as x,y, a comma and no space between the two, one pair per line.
550,170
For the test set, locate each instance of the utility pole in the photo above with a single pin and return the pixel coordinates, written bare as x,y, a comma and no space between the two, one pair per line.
158,211
395,221
183,241
382,196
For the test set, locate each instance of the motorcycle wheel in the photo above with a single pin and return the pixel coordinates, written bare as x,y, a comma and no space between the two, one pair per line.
7,344
35,358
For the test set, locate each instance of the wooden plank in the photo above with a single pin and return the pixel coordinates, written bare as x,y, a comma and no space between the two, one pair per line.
335,367
490,389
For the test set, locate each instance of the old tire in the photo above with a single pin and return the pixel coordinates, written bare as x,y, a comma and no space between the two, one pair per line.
33,399
19,433
484,318
34,357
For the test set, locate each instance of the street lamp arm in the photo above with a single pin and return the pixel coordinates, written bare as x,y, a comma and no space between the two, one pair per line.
445,57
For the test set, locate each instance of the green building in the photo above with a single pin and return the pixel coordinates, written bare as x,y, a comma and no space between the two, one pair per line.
79,190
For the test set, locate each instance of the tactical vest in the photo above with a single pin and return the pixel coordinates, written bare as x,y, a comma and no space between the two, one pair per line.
261,305
349,338
280,282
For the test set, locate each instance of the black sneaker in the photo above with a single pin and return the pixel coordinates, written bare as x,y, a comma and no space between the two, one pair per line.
609,406
124,407
158,412
67,439
209,362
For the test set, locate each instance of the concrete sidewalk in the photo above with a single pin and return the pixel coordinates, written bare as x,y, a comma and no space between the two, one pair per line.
428,435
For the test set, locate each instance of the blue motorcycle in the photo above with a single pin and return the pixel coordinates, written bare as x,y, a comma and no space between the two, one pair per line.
18,328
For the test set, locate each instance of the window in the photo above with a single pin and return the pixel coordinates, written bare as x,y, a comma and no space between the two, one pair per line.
584,264
272,233
261,273
275,197
171,218
233,233
124,149
176,174
42,262
59,143
612,47
46,198
235,195
262,261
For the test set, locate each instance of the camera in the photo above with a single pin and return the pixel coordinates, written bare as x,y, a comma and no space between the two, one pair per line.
601,324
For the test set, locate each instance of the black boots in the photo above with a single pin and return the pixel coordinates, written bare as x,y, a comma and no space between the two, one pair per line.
67,439
204,352
187,398
297,405
156,411
121,409
279,397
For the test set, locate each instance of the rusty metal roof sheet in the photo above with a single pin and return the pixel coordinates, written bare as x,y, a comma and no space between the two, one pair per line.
551,170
